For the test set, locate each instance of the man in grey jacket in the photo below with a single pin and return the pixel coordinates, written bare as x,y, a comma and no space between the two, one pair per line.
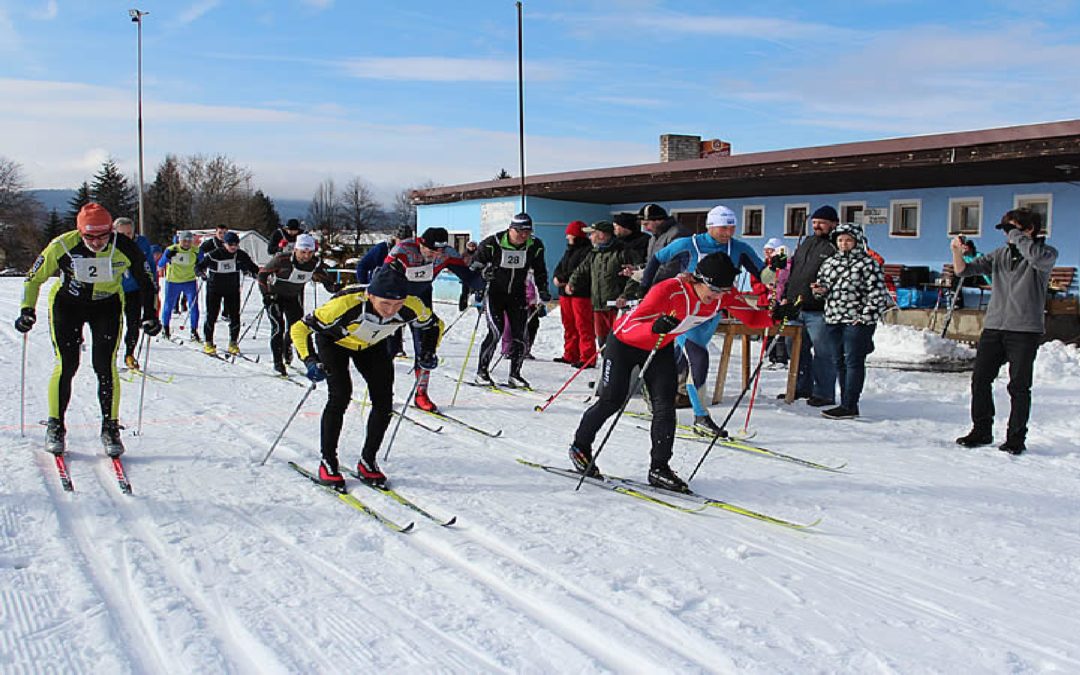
1012,327
664,230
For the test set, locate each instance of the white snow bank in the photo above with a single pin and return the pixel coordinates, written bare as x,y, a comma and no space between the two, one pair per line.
1056,362
905,344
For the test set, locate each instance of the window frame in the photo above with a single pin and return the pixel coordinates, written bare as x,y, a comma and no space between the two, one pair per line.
788,208
950,232
1048,198
893,205
745,220
843,205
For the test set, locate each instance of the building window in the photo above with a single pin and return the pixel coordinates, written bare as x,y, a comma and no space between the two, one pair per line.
850,211
904,217
965,216
795,219
458,240
691,220
1040,204
753,221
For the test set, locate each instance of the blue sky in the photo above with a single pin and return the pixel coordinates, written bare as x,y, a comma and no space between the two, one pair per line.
399,93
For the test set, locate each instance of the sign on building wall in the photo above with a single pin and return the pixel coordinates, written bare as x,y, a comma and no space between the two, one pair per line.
496,216
875,216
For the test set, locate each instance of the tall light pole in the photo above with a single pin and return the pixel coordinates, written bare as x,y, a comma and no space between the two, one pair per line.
136,18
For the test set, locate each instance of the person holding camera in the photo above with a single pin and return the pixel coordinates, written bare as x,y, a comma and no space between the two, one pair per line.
1013,325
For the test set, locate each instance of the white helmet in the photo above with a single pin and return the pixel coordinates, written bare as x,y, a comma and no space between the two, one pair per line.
305,242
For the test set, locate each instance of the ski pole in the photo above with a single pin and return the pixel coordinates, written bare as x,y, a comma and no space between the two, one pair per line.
468,353
22,388
527,320
456,319
142,387
753,392
248,295
952,305
401,416
633,392
288,422
256,323
723,427
183,315
542,408
258,320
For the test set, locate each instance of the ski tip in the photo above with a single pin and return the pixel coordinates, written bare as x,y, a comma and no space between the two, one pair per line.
449,522
497,434
407,528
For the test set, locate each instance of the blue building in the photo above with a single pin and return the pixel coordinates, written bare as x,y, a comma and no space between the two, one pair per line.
919,191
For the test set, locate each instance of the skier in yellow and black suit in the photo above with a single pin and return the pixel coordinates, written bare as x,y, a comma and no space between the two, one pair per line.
353,326
92,260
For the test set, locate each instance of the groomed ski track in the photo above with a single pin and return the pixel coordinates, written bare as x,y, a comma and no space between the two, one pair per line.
928,558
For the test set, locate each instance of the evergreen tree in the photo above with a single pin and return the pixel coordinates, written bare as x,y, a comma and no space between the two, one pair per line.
55,226
82,197
503,175
264,216
112,190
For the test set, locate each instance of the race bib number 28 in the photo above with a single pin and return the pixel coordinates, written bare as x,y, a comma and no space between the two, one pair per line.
513,260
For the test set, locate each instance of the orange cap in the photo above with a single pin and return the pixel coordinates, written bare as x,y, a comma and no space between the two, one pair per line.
93,219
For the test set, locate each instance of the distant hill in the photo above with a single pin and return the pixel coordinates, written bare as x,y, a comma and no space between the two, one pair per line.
54,199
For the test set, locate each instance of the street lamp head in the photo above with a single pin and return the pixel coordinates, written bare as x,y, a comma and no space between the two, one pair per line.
136,15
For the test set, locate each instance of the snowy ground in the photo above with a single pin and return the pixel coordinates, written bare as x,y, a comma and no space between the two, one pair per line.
929,558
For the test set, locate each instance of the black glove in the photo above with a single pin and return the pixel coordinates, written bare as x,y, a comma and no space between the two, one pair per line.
488,273
269,299
463,302
151,326
315,370
427,361
665,324
27,319
201,273
544,294
787,312
541,310
778,262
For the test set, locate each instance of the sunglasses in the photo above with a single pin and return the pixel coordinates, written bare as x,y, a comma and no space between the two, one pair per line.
712,287
97,237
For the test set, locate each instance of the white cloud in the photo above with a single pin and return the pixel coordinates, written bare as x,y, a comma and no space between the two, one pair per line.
194,12
445,69
9,37
62,131
48,13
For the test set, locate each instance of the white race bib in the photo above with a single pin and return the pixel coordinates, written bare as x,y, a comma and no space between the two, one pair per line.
297,276
512,260
420,273
226,266
690,323
92,270
371,332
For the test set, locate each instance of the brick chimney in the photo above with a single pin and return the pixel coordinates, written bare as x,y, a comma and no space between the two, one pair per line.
677,147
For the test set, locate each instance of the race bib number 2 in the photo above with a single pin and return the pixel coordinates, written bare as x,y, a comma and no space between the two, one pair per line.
91,270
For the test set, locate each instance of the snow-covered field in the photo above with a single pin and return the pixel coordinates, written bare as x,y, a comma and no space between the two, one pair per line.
929,557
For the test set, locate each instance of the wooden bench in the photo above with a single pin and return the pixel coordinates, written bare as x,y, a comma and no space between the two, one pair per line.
892,271
1061,279
730,330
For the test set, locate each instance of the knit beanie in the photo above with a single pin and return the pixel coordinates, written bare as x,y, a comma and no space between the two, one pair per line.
826,213
576,228
94,220
388,282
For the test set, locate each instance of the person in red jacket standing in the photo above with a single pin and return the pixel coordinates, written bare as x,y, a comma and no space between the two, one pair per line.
669,309
579,339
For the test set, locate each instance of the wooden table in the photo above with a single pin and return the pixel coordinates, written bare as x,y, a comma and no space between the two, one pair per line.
730,330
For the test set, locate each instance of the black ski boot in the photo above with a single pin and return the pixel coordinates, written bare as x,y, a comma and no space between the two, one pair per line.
110,438
280,369
704,426
975,438
55,435
483,378
581,458
664,477
516,381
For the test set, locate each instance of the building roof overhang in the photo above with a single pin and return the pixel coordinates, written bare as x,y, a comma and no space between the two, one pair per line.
1023,154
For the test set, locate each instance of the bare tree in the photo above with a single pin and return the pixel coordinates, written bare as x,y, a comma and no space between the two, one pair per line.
403,209
220,191
357,207
20,236
323,211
